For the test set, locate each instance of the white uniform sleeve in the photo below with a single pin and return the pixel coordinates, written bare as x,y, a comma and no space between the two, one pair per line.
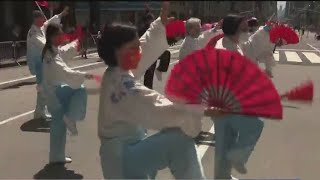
187,47
153,44
205,37
56,19
69,50
152,110
63,73
257,45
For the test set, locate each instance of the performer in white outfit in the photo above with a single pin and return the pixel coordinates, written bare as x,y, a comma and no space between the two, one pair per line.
194,40
237,135
127,108
63,88
35,42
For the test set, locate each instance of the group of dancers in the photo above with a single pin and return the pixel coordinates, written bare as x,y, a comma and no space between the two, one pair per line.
128,108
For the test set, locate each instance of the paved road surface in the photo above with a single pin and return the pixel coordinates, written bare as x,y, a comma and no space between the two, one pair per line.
287,149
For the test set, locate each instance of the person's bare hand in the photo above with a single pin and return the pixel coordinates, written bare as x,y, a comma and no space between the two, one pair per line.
164,13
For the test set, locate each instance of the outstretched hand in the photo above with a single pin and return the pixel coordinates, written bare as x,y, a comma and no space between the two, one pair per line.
164,13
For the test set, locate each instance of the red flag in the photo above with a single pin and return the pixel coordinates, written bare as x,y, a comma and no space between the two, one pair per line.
43,3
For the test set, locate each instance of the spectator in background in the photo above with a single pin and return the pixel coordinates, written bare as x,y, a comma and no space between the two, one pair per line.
84,42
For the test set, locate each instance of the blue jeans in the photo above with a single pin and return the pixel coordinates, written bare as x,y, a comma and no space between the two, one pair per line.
168,148
236,137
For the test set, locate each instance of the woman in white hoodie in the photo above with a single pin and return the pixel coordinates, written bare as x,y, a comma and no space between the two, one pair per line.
127,108
63,89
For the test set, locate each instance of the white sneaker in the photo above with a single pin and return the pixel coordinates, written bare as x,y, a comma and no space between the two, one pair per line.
234,178
71,126
67,160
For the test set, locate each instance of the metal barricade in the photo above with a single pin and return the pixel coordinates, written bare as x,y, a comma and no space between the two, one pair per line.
12,50
16,50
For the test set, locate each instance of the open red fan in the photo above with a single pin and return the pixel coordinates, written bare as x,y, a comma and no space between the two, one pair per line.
224,79
285,33
304,92
175,28
213,41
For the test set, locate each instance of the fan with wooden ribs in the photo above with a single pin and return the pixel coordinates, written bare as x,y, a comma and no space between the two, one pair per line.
226,80
231,82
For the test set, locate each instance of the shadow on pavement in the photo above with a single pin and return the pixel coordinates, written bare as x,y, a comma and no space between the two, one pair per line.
36,125
56,171
18,85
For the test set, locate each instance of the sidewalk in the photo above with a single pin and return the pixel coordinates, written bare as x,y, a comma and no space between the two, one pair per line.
8,73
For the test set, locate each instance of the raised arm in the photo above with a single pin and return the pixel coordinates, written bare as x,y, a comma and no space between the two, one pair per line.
69,50
153,42
205,37
62,73
258,44
56,19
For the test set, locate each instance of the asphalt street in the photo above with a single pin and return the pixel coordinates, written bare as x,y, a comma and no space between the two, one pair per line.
287,149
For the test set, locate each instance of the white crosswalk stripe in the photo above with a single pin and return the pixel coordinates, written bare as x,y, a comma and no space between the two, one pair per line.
292,56
306,57
312,57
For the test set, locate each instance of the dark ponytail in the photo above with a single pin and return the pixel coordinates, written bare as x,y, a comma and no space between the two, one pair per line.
52,30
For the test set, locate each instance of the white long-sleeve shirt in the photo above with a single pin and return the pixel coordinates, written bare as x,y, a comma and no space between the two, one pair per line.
35,42
190,44
127,107
56,72
258,45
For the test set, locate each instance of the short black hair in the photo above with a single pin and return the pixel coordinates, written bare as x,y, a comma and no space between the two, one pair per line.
231,24
36,14
148,17
112,38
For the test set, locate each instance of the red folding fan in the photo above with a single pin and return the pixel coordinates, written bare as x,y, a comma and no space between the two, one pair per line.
304,92
175,28
213,41
285,33
224,79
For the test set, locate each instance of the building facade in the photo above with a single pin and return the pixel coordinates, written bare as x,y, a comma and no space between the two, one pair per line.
97,13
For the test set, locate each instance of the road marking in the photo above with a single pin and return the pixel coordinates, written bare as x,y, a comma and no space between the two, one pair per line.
312,57
297,50
292,57
313,47
276,55
16,117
